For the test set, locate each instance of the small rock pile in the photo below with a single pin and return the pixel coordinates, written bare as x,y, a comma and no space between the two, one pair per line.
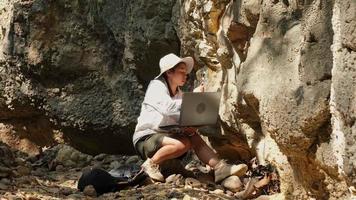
54,174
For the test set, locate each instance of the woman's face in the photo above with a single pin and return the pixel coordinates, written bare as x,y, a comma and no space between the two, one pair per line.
179,75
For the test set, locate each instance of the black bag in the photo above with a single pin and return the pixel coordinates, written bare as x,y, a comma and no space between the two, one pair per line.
103,182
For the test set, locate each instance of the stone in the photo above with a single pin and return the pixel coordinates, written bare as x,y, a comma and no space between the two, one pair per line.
229,193
39,172
5,172
100,157
6,155
171,178
89,191
70,157
115,164
30,197
59,168
71,163
75,196
218,191
263,197
131,160
23,170
176,179
20,161
3,186
13,197
192,182
75,156
232,183
66,191
5,181
187,197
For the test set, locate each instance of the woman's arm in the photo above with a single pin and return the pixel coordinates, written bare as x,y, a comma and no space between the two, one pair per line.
157,96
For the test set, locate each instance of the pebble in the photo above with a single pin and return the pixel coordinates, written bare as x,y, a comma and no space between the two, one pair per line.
187,197
12,197
192,182
218,191
3,186
229,193
30,197
59,168
263,197
74,156
5,181
24,180
4,172
100,157
108,159
70,163
97,165
232,183
66,191
38,172
23,171
115,164
174,178
131,160
89,191
76,196
20,161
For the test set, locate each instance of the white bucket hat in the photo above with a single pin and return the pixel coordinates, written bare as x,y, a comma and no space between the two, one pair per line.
169,61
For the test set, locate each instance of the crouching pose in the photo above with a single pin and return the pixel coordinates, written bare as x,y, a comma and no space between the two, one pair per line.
161,107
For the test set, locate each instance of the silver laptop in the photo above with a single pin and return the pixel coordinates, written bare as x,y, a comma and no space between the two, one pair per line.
198,109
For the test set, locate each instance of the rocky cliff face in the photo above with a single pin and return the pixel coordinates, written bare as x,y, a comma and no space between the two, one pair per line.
77,70
287,73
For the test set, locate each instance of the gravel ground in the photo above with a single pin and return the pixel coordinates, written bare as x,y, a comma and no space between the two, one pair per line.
54,174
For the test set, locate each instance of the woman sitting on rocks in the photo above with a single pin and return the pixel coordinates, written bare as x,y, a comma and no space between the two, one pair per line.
160,107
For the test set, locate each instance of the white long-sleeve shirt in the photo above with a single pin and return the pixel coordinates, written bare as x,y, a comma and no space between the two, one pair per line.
158,109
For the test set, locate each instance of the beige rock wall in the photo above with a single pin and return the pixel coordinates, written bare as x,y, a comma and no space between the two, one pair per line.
285,69
341,147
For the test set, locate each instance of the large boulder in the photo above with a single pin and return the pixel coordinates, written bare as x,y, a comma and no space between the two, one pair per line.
78,69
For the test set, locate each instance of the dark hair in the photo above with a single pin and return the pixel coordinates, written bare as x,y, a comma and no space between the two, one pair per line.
166,77
170,70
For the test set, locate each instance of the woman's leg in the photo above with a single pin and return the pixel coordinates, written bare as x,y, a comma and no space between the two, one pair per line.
208,156
171,148
203,151
159,148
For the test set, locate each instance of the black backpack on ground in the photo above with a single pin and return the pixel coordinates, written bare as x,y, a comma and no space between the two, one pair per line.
104,182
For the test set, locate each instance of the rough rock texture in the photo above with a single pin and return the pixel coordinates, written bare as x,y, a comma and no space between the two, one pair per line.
79,68
343,94
286,70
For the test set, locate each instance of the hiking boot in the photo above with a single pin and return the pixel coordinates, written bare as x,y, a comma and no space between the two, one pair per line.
223,170
152,170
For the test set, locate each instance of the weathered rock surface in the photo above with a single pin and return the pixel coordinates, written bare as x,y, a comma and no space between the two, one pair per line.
79,68
286,70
